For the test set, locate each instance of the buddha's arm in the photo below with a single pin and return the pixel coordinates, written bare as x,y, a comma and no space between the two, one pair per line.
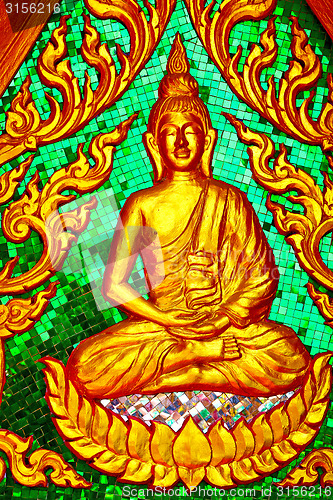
125,247
249,274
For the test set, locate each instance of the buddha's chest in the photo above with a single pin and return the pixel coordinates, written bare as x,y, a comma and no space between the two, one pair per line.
171,216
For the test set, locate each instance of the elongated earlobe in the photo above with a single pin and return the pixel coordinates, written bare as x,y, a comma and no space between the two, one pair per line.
154,155
207,157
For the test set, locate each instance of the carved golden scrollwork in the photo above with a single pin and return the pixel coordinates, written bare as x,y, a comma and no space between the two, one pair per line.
157,454
9,181
323,302
26,131
303,73
20,315
307,472
16,317
38,211
303,231
30,471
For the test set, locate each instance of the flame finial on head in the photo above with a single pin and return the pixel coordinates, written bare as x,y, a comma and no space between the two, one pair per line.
178,62
178,82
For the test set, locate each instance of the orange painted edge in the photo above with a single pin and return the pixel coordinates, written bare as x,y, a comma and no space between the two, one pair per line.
323,10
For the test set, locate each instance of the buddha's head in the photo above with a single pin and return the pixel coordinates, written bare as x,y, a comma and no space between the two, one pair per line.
180,135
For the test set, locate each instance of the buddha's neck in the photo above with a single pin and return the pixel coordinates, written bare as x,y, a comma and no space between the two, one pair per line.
176,176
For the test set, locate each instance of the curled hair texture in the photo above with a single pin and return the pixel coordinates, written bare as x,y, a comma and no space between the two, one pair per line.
178,85
178,104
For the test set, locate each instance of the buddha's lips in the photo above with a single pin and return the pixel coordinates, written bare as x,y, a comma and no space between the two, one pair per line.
182,153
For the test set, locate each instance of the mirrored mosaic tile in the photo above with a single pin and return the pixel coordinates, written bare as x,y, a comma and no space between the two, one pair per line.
205,407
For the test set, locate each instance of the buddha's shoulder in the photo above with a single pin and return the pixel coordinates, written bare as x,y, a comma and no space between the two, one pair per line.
147,192
143,197
226,190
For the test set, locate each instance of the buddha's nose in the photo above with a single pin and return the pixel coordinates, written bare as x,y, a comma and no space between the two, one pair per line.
182,142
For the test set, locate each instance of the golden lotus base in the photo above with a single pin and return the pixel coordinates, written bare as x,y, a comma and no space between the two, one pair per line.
159,456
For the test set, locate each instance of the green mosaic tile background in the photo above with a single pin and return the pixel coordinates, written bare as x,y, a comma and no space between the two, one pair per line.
73,315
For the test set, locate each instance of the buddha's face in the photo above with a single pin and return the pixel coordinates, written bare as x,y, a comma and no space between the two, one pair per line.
181,141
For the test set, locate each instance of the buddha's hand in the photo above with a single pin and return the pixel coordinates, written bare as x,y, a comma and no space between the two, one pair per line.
180,317
211,324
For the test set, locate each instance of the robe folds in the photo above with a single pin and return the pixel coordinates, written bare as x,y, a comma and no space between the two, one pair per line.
221,264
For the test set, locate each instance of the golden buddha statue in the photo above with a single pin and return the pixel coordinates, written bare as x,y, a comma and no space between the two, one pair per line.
205,325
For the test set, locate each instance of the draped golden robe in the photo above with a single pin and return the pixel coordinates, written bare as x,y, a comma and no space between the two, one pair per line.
220,263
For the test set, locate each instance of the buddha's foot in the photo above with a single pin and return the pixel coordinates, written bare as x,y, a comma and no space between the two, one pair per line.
215,349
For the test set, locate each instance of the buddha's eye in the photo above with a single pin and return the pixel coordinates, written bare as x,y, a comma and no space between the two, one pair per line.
193,130
168,132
